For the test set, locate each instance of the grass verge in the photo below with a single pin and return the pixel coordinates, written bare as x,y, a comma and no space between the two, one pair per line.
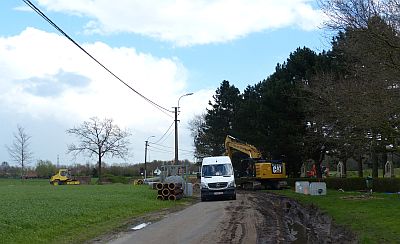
374,218
36,212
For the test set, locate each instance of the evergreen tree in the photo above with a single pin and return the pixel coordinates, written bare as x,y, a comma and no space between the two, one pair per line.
220,117
283,109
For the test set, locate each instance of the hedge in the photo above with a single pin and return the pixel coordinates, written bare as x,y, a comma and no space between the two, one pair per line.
354,184
115,179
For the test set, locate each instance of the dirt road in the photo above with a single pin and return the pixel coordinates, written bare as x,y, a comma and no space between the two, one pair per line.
255,217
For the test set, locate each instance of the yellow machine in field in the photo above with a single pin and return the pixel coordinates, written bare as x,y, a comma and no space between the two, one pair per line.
63,177
270,173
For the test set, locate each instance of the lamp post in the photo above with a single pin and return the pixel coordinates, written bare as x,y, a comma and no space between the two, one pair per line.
146,143
176,126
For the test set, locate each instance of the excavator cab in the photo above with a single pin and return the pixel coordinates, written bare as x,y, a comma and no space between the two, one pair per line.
249,169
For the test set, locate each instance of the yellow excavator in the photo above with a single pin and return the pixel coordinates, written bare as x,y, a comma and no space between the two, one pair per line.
259,171
63,177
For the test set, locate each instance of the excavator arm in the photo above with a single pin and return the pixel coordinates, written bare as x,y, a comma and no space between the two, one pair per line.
233,143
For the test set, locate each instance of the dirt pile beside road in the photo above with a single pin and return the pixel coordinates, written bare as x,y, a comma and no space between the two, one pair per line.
278,219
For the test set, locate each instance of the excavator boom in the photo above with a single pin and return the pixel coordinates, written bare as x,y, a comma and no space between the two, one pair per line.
233,143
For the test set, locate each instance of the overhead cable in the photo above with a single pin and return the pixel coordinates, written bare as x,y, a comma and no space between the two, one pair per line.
184,150
158,151
164,133
39,12
161,149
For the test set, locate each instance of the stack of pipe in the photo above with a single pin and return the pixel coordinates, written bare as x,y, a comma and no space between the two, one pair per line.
169,191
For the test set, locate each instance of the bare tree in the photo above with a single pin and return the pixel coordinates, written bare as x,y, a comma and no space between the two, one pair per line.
19,149
197,130
357,15
366,94
343,14
100,138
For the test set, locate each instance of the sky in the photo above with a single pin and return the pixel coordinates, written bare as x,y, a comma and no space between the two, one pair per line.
162,49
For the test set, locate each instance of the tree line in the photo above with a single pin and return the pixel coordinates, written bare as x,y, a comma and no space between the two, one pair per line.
44,169
342,102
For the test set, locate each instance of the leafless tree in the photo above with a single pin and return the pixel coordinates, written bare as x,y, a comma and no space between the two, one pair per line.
100,138
197,126
363,96
19,150
358,107
343,14
346,15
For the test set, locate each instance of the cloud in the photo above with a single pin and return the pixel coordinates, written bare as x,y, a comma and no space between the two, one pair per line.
45,75
195,22
47,80
54,85
23,8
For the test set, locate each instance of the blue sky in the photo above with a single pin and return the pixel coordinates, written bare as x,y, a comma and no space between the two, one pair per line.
161,48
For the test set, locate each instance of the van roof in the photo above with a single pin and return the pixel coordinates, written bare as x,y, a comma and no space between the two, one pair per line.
216,160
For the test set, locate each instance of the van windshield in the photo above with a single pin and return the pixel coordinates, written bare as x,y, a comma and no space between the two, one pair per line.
217,170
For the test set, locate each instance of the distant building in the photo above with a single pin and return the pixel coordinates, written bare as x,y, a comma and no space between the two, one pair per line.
31,175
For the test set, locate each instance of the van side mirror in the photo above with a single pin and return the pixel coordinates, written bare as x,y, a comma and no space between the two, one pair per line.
198,175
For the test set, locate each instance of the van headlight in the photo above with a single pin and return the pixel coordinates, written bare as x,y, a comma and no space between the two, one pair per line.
203,185
232,184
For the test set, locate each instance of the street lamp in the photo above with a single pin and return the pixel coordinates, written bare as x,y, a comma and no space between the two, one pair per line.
145,155
176,126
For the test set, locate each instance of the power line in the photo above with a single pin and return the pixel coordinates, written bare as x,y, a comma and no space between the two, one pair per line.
39,12
169,134
183,150
164,133
161,149
162,145
190,151
167,152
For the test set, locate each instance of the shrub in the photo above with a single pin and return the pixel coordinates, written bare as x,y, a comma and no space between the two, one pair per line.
115,179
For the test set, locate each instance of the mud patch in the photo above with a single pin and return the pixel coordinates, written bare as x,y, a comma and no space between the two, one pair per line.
287,221
279,219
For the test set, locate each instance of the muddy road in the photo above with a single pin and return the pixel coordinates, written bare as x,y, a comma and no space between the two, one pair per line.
255,217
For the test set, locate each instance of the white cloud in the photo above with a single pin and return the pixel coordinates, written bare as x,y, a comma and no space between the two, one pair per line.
47,78
23,8
186,23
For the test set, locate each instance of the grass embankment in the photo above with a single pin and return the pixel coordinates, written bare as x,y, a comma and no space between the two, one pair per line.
36,212
373,218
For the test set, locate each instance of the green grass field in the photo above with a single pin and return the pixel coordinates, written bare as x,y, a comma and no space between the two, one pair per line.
374,219
36,212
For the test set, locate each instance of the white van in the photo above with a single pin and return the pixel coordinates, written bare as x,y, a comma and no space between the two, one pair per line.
217,178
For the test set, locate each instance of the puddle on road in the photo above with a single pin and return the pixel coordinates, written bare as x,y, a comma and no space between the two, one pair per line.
141,226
